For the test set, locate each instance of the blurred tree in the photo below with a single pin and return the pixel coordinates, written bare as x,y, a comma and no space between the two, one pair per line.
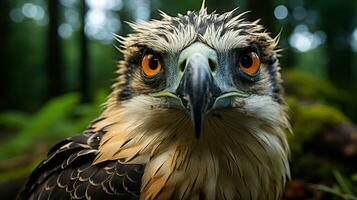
340,63
5,27
262,10
338,29
54,59
84,66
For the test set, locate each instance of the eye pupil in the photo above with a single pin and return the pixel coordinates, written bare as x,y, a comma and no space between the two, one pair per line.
153,64
246,61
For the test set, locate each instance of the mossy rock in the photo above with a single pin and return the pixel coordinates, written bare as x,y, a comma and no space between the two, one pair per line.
310,119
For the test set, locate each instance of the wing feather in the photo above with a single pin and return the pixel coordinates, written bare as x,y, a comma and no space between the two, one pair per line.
68,173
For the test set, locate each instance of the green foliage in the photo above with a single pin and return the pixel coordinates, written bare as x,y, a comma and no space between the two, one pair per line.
14,119
39,124
59,118
345,188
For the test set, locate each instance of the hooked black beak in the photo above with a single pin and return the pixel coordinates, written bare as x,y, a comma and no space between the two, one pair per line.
197,89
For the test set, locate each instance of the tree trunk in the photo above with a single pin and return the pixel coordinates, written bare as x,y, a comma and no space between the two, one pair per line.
262,10
55,59
338,30
84,86
5,26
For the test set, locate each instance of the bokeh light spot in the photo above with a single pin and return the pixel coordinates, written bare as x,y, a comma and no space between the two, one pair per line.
303,40
281,12
65,30
16,15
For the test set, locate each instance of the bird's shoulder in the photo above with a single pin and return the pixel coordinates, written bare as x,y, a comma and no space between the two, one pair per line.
68,173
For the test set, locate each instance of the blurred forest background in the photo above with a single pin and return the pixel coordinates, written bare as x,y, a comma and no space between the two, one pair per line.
57,62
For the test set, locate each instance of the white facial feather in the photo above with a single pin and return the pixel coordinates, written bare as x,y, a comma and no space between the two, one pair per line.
241,155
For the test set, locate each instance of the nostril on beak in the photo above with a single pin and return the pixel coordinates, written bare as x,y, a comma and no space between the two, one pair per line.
183,65
212,65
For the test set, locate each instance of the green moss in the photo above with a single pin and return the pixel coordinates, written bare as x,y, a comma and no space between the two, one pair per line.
310,119
306,86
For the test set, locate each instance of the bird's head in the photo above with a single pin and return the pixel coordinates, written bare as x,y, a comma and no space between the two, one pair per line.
199,63
199,94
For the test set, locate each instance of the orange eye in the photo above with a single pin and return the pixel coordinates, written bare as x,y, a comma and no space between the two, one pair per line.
249,63
151,65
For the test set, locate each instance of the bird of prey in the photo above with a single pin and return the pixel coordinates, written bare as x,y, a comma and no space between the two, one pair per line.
197,112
